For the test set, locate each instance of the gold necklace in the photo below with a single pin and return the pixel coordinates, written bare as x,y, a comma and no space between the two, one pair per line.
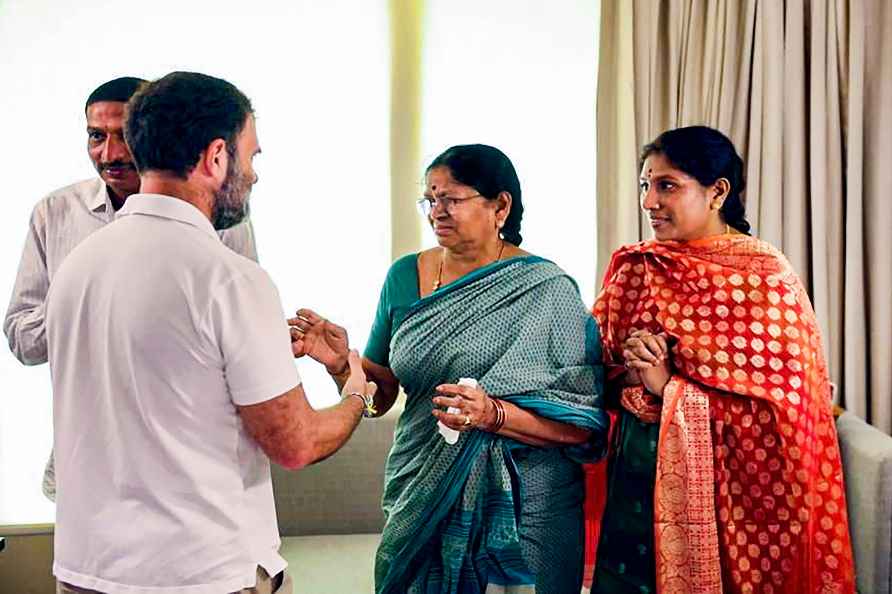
438,280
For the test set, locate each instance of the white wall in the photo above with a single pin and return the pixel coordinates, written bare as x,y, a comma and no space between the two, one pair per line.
518,74
318,75
521,75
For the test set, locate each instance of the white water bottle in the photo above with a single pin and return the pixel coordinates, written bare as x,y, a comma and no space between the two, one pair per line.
449,434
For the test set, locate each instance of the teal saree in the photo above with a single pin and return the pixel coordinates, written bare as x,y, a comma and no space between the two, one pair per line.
489,514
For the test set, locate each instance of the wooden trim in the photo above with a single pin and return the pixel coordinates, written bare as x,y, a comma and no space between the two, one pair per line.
8,530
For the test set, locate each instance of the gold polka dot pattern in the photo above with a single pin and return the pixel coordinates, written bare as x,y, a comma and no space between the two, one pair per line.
744,337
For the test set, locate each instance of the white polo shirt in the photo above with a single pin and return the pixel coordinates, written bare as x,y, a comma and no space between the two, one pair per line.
156,331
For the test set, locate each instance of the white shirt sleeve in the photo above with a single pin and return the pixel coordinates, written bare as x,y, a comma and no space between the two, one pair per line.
248,322
24,323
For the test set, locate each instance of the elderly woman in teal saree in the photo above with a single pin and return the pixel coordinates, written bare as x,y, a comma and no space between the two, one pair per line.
500,510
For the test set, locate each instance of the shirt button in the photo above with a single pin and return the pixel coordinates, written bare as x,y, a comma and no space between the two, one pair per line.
637,507
642,550
621,568
644,590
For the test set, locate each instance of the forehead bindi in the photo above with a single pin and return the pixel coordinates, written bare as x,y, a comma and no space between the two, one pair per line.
656,167
440,179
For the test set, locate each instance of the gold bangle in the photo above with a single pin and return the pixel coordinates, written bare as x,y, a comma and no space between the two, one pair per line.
500,415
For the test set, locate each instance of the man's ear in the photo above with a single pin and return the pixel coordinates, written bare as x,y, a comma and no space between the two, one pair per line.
214,161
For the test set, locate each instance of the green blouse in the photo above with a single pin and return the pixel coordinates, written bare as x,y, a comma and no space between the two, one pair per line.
399,292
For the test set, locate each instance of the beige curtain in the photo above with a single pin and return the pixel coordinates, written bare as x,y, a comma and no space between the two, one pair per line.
804,90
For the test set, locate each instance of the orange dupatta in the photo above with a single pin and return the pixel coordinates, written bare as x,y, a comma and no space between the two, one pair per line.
749,492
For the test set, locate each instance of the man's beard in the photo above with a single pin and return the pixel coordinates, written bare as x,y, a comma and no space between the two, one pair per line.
231,200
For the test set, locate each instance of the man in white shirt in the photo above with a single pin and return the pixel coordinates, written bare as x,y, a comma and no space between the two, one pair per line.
64,218
181,368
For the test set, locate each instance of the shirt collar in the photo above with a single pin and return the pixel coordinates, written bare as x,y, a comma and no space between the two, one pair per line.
101,201
168,207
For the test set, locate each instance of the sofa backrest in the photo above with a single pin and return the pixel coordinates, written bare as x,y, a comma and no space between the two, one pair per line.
867,466
342,494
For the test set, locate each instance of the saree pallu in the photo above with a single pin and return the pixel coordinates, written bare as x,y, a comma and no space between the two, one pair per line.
749,491
453,511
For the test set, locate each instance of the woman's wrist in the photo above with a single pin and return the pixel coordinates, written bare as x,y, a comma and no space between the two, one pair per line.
655,379
344,372
657,390
340,378
494,415
501,415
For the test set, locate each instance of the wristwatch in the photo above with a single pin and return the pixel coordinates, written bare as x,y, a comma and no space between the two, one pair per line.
368,404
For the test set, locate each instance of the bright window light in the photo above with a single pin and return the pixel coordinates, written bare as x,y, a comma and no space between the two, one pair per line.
517,74
521,75
318,75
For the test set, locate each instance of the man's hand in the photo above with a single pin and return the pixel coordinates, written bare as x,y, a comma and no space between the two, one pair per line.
322,340
647,355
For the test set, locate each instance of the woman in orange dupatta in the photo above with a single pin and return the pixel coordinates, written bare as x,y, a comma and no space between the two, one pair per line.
726,417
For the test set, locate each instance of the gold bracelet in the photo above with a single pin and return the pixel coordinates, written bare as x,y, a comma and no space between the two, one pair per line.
368,404
500,415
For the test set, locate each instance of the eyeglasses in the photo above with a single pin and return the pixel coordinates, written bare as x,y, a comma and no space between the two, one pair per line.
427,205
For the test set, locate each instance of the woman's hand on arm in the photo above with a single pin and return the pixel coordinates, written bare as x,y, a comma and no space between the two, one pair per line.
388,385
326,342
294,434
477,410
